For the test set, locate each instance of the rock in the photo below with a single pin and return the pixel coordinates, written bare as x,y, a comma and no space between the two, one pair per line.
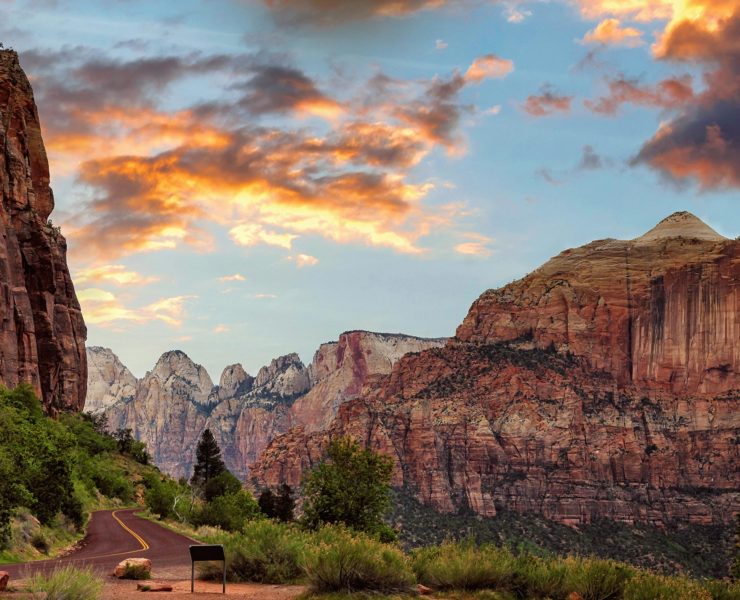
139,563
423,590
42,332
153,587
109,380
602,385
574,596
4,579
172,404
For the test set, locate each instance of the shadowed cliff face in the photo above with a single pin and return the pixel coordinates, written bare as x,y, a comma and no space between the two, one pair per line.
42,333
604,384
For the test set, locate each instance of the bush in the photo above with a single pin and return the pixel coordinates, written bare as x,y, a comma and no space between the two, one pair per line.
166,498
223,484
39,541
536,577
597,579
66,583
342,561
230,512
351,487
723,590
131,571
647,586
266,552
464,566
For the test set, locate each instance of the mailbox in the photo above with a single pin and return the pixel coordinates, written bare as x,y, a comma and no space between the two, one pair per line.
206,553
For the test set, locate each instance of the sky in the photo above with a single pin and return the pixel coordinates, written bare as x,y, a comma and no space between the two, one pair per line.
242,179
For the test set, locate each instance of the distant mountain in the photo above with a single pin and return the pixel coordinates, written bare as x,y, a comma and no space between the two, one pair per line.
171,405
602,385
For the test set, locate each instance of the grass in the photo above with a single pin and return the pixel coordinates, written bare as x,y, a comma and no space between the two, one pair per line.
135,572
66,583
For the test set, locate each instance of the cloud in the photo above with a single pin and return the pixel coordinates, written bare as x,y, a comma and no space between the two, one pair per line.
670,93
248,234
441,45
476,246
700,140
547,174
280,89
548,102
489,66
221,328
334,12
230,278
611,32
303,260
590,161
264,296
116,274
103,308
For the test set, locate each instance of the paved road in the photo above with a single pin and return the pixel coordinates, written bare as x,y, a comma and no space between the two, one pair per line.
113,536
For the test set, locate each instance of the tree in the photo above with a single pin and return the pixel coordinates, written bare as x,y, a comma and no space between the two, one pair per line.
221,485
284,503
350,487
208,461
266,503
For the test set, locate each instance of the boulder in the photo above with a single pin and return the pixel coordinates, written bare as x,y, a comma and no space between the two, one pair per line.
144,564
4,578
153,587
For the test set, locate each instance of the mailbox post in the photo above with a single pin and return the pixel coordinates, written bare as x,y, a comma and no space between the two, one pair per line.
206,553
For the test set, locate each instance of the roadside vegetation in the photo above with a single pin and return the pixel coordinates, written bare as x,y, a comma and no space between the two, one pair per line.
55,471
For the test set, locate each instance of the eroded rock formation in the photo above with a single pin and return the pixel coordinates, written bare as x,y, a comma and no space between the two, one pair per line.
173,403
42,332
603,384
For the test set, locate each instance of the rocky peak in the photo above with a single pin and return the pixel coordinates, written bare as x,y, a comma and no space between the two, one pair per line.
109,380
175,369
285,377
234,381
681,224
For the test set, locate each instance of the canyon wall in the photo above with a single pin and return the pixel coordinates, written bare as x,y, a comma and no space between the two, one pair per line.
42,332
603,384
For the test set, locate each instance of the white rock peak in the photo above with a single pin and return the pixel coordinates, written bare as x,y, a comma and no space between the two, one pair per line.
681,224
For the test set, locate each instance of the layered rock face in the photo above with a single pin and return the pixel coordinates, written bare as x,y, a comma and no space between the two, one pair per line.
42,332
172,404
604,384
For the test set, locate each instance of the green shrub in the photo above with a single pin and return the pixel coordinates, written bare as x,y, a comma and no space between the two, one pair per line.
223,484
66,583
648,586
131,571
464,566
266,552
723,590
597,579
111,483
230,512
166,497
536,577
39,541
343,561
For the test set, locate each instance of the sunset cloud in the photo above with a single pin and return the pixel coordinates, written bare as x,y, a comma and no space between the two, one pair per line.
477,245
610,31
333,12
116,274
673,92
303,260
548,102
103,308
232,278
488,67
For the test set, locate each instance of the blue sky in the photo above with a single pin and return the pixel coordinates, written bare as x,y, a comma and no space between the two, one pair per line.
178,136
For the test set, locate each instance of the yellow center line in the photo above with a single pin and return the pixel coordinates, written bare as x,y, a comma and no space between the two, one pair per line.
137,537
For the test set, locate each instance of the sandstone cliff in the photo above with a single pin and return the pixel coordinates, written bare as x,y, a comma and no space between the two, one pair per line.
171,405
604,384
42,333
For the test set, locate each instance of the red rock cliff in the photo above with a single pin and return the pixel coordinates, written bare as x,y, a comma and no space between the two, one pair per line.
604,384
42,333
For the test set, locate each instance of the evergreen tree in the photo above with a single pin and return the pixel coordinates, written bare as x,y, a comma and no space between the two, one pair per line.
266,503
284,503
208,461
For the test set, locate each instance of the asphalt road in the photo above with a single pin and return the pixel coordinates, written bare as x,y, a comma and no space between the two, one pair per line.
113,536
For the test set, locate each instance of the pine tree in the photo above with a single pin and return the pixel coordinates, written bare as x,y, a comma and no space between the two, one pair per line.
266,503
284,503
208,461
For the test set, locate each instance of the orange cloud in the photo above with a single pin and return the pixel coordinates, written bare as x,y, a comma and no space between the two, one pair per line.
477,246
488,67
547,103
610,31
116,274
673,92
103,308
234,277
303,260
